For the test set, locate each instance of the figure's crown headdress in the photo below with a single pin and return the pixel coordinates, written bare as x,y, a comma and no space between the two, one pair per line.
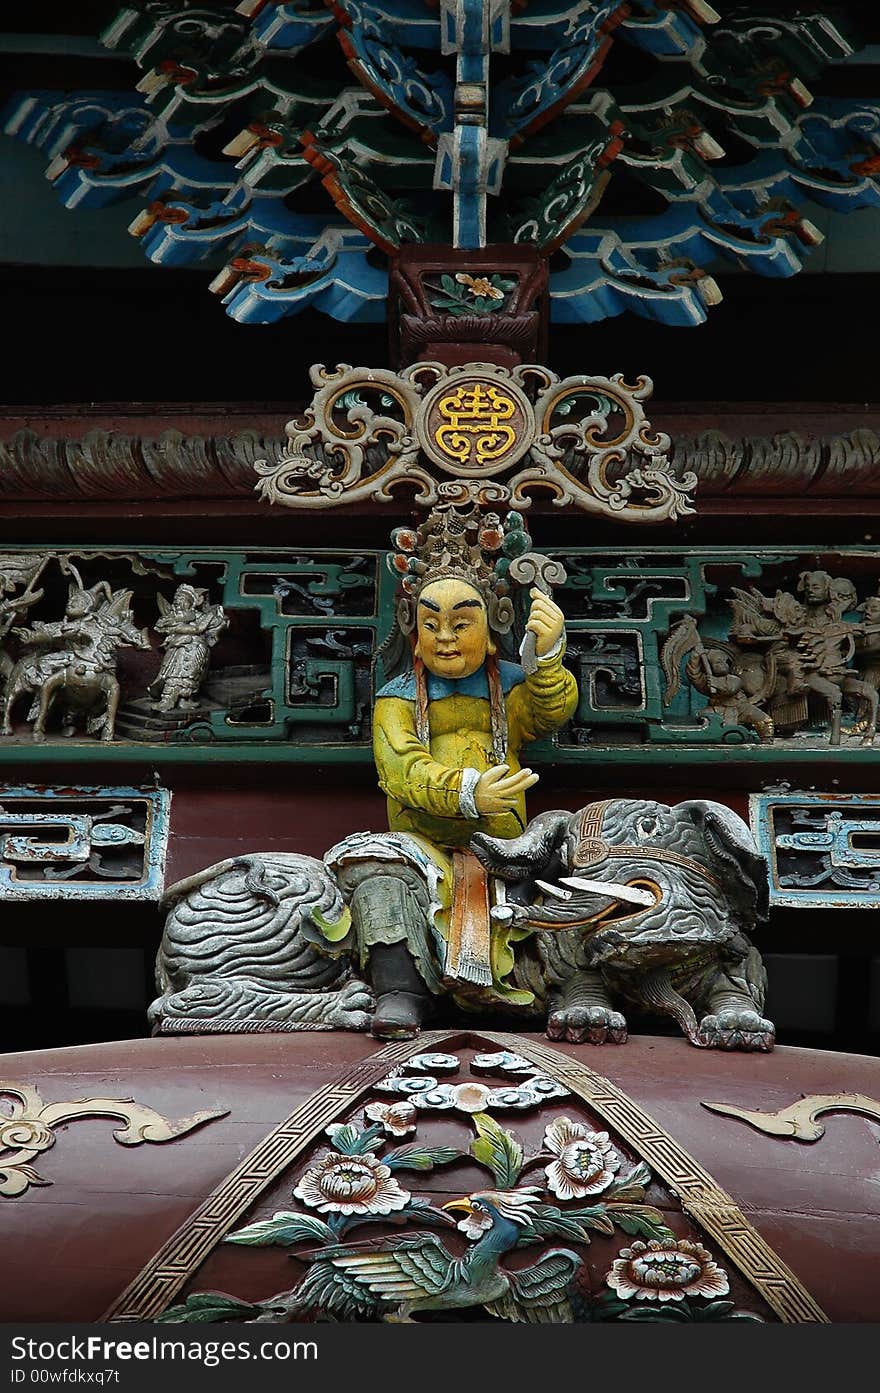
452,542
460,542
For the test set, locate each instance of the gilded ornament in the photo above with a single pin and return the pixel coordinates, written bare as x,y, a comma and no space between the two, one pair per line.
28,1128
584,441
800,1120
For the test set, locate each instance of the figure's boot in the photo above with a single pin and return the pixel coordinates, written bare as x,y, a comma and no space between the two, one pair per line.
403,1002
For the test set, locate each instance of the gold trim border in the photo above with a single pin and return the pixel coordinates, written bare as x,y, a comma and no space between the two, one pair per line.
179,1258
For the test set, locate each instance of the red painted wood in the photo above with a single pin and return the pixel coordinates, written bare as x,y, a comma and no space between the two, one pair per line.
69,1248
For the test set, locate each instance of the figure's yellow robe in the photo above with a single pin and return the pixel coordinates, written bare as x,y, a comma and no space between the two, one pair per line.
424,785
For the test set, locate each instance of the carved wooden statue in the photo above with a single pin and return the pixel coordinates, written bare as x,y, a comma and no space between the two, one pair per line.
191,627
447,736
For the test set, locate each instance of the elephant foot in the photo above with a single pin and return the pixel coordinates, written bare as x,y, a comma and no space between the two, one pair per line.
592,1025
737,1029
353,1008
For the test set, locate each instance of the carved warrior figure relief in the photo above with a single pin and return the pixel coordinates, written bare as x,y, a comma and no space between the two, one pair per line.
190,627
73,660
790,659
71,663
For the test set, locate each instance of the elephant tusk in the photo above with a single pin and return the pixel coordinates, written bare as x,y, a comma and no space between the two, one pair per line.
612,889
553,890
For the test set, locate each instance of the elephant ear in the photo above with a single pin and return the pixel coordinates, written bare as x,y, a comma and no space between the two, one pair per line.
733,854
522,858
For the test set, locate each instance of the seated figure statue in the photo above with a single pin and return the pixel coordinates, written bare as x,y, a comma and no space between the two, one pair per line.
448,732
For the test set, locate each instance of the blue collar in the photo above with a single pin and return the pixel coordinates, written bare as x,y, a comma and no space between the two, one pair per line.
477,685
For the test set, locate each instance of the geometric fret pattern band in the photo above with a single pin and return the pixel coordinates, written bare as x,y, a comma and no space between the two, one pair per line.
156,1286
182,1255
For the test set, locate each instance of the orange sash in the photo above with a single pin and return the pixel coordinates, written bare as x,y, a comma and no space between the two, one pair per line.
470,928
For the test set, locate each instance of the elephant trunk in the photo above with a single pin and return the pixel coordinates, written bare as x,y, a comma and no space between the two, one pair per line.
657,990
523,858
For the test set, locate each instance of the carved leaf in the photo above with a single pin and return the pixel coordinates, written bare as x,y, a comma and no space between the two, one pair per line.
551,1222
496,1149
639,1220
284,1228
350,1141
206,1307
420,1158
630,1186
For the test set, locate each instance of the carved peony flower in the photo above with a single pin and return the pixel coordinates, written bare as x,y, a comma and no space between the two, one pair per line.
586,1161
397,1119
351,1185
670,1271
480,286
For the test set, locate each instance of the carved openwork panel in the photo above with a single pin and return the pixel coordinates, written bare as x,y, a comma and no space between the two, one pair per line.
777,650
585,441
822,849
82,843
184,647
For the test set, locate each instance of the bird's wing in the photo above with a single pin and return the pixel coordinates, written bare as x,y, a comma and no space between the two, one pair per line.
327,1289
401,1271
539,1294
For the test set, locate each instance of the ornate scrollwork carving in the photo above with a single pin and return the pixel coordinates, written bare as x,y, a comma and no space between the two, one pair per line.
584,440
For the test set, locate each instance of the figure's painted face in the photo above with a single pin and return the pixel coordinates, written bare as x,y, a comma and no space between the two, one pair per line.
871,609
452,629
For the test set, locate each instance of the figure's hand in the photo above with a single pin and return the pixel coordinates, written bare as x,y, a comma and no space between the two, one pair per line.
546,621
498,791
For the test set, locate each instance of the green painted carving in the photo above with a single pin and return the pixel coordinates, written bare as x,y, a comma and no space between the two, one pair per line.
293,673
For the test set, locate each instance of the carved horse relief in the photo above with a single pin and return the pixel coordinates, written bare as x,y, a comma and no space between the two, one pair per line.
75,659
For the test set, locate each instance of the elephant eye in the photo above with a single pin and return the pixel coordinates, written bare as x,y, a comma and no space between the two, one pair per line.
647,826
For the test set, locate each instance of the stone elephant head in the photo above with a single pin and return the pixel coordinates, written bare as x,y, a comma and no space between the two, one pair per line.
656,900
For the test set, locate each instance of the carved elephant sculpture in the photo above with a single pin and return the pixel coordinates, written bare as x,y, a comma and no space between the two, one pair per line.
636,900
237,952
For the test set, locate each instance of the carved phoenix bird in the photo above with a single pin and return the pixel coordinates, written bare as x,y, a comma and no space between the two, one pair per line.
418,1273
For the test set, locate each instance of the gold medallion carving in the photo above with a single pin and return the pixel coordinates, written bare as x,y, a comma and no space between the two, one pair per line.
474,425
